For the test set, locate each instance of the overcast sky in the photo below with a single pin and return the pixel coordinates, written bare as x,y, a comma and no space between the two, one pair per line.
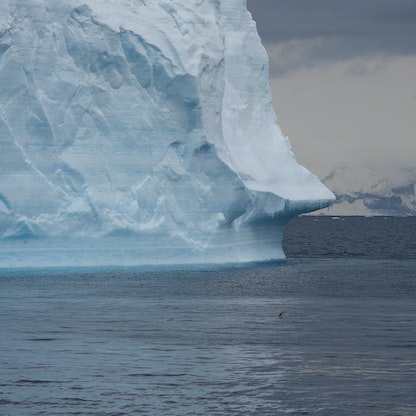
343,78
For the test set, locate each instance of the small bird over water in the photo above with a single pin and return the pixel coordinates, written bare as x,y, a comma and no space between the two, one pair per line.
281,314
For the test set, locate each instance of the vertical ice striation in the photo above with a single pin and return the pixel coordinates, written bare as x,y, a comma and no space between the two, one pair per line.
144,124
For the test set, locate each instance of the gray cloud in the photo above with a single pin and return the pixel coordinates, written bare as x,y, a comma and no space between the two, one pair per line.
303,33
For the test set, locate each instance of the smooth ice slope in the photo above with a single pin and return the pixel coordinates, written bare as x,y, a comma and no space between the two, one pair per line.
144,124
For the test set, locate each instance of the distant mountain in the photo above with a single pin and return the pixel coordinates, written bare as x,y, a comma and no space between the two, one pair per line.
369,191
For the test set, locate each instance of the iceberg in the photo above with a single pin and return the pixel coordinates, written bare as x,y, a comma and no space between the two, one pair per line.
141,132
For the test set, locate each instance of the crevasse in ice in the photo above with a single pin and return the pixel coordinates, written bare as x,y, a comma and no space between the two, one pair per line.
141,131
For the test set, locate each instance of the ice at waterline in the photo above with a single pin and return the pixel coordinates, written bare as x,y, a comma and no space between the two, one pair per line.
141,133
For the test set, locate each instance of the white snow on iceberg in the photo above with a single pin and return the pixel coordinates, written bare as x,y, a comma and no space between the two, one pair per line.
143,127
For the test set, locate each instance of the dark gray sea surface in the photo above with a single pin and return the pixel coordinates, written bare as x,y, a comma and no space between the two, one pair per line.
351,237
326,332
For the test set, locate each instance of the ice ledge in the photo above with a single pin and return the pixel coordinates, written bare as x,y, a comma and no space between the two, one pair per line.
293,208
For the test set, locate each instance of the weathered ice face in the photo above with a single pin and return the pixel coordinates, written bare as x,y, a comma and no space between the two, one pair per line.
140,118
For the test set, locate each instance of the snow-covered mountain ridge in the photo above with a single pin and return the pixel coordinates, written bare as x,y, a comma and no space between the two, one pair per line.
372,191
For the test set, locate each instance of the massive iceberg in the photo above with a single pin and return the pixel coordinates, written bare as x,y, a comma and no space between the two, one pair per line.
141,132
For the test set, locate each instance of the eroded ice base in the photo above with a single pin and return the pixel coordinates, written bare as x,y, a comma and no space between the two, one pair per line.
262,242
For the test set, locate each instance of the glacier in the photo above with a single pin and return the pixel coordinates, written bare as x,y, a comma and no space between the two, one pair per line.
141,132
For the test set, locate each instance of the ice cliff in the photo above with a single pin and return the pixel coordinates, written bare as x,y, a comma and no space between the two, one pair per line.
144,124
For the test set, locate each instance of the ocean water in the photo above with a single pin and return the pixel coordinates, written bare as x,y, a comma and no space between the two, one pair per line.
329,331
